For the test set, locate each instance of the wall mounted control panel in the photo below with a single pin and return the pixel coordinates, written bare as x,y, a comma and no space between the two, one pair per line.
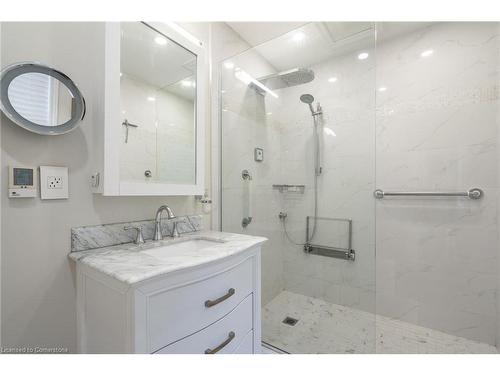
22,182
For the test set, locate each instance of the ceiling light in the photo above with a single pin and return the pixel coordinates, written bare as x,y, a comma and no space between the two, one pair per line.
269,113
298,36
224,109
329,132
187,83
160,40
332,79
184,33
427,53
151,98
382,89
229,65
363,56
121,74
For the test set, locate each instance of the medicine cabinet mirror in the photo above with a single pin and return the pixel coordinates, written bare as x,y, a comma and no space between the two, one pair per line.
156,125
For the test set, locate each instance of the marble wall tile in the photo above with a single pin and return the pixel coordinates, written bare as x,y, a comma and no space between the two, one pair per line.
437,129
96,236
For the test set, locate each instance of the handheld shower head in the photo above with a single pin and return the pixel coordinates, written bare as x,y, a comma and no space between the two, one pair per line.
308,99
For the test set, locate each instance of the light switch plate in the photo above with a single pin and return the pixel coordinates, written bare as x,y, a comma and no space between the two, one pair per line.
54,182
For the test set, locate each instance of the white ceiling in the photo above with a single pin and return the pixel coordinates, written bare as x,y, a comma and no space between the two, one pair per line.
278,44
255,33
315,42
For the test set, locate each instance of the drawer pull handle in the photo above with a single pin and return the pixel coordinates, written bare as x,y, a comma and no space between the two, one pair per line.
210,303
230,338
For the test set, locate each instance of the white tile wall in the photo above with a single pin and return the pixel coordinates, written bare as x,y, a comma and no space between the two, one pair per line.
164,142
435,127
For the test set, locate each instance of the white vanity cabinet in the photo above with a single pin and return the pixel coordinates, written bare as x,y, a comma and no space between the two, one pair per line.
210,308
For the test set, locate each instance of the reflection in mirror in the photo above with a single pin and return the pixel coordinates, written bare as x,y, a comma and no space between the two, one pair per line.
158,97
41,99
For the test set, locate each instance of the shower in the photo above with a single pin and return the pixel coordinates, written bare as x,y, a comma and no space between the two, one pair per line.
316,113
284,79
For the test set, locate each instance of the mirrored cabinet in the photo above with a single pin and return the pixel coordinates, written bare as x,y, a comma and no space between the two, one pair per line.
153,134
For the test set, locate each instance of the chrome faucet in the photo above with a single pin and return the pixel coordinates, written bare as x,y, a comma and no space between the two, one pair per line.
170,215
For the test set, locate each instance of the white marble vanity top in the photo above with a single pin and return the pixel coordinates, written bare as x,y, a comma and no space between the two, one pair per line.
128,262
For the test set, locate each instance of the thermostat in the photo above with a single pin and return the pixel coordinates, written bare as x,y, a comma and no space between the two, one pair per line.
22,182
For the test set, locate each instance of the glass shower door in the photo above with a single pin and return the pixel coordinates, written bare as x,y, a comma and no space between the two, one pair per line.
286,164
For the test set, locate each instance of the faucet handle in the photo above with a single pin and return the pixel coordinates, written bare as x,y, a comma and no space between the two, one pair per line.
139,239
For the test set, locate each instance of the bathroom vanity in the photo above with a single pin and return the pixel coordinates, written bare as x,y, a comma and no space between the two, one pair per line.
199,293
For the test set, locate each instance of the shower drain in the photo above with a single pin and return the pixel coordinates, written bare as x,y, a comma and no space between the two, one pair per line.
290,321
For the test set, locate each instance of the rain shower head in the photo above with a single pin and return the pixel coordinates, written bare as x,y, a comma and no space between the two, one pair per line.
288,78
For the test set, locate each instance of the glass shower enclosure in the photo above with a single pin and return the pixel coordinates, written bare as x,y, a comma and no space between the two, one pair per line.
318,127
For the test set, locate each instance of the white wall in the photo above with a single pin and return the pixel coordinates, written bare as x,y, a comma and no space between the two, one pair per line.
38,291
437,129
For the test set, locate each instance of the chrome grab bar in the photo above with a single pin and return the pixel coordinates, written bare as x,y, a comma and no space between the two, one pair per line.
230,338
210,303
474,193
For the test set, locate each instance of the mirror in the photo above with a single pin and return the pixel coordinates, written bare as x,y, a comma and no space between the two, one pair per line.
41,99
158,108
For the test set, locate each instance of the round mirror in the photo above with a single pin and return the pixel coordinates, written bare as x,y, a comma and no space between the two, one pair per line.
40,99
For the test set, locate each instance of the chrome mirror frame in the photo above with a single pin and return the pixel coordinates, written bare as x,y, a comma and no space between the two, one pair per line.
10,72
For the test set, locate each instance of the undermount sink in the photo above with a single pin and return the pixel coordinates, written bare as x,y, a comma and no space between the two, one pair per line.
180,248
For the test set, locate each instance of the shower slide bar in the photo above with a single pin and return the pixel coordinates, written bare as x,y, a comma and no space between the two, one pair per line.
329,251
474,193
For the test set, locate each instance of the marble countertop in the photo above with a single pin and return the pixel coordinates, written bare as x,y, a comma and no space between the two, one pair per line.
129,264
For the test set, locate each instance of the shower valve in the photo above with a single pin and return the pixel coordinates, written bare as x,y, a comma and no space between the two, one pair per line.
282,215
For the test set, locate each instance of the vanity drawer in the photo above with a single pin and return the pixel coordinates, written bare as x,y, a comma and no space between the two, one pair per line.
228,335
246,346
179,312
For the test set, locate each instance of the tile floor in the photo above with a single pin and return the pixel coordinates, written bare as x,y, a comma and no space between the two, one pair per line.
324,327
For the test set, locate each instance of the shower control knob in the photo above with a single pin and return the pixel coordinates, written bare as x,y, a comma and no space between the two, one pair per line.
282,215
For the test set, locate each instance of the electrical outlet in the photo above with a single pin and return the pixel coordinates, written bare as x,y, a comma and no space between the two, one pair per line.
53,182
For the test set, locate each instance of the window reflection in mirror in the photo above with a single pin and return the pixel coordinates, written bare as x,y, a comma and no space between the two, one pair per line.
158,97
41,99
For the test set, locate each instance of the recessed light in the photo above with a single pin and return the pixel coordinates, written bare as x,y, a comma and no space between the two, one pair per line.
151,98
121,74
298,36
269,113
363,56
224,110
229,65
382,89
329,132
160,40
187,83
222,91
332,79
427,53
